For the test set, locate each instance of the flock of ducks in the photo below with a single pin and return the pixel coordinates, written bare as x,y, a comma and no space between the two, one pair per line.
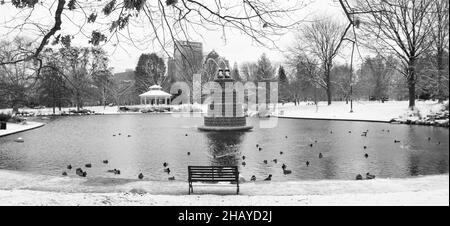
80,172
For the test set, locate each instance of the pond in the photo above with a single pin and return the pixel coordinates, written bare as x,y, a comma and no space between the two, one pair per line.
149,140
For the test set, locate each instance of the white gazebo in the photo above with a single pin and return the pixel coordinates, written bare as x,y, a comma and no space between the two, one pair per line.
154,95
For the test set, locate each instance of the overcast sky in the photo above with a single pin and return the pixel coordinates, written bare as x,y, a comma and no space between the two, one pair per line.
237,48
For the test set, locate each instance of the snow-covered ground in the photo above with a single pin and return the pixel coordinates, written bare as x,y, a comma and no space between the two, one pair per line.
12,128
364,110
28,189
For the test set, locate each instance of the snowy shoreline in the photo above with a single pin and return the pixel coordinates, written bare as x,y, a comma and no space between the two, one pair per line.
19,188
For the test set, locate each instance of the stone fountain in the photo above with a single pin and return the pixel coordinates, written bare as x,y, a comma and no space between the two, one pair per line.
230,114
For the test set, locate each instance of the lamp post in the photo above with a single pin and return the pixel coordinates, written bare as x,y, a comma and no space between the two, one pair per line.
351,74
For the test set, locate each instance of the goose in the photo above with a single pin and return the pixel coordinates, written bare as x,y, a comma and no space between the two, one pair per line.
165,164
275,160
172,178
366,155
359,177
307,163
253,178
105,161
284,166
141,176
285,171
167,170
89,165
320,155
370,176
116,171
69,167
64,174
268,178
265,161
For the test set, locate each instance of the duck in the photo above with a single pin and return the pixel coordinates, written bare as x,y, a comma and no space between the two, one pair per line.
172,178
285,171
185,135
141,176
116,171
260,149
80,172
310,145
265,161
370,176
366,155
89,165
64,173
315,141
429,138
69,166
167,170
359,177
283,166
189,153
439,143
253,178
243,163
120,134
307,163
268,178
275,160
281,153
320,155
349,131
365,147
243,157
165,164
331,132
105,161
396,141
129,135
286,137
114,135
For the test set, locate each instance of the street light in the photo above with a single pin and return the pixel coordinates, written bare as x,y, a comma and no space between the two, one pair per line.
351,74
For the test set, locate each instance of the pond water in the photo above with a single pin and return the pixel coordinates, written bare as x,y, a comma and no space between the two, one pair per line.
155,139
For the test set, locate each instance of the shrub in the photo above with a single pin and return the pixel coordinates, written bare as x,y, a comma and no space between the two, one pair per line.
4,117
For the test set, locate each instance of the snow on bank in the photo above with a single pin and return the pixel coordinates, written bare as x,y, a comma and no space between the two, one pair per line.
362,110
29,189
12,128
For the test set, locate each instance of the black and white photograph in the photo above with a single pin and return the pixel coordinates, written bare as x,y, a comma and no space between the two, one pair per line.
224,103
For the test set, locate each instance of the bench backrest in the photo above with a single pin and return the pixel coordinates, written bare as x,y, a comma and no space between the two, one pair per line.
213,173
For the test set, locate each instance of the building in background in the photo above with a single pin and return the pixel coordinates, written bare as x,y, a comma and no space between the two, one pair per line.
124,92
187,60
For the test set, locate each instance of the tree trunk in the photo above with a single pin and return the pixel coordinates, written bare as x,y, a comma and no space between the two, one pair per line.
412,83
440,69
328,81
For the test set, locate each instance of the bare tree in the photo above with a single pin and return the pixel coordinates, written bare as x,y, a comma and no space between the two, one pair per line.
440,37
321,41
400,27
145,24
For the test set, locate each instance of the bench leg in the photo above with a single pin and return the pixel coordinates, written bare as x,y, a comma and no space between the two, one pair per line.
237,192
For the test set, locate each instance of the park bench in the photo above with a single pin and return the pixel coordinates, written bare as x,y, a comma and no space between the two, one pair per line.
213,174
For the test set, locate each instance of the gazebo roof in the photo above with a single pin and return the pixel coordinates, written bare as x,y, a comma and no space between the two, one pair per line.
155,92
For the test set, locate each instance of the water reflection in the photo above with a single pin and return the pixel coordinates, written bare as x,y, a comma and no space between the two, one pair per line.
224,148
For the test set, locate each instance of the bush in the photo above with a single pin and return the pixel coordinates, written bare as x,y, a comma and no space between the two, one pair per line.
4,117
